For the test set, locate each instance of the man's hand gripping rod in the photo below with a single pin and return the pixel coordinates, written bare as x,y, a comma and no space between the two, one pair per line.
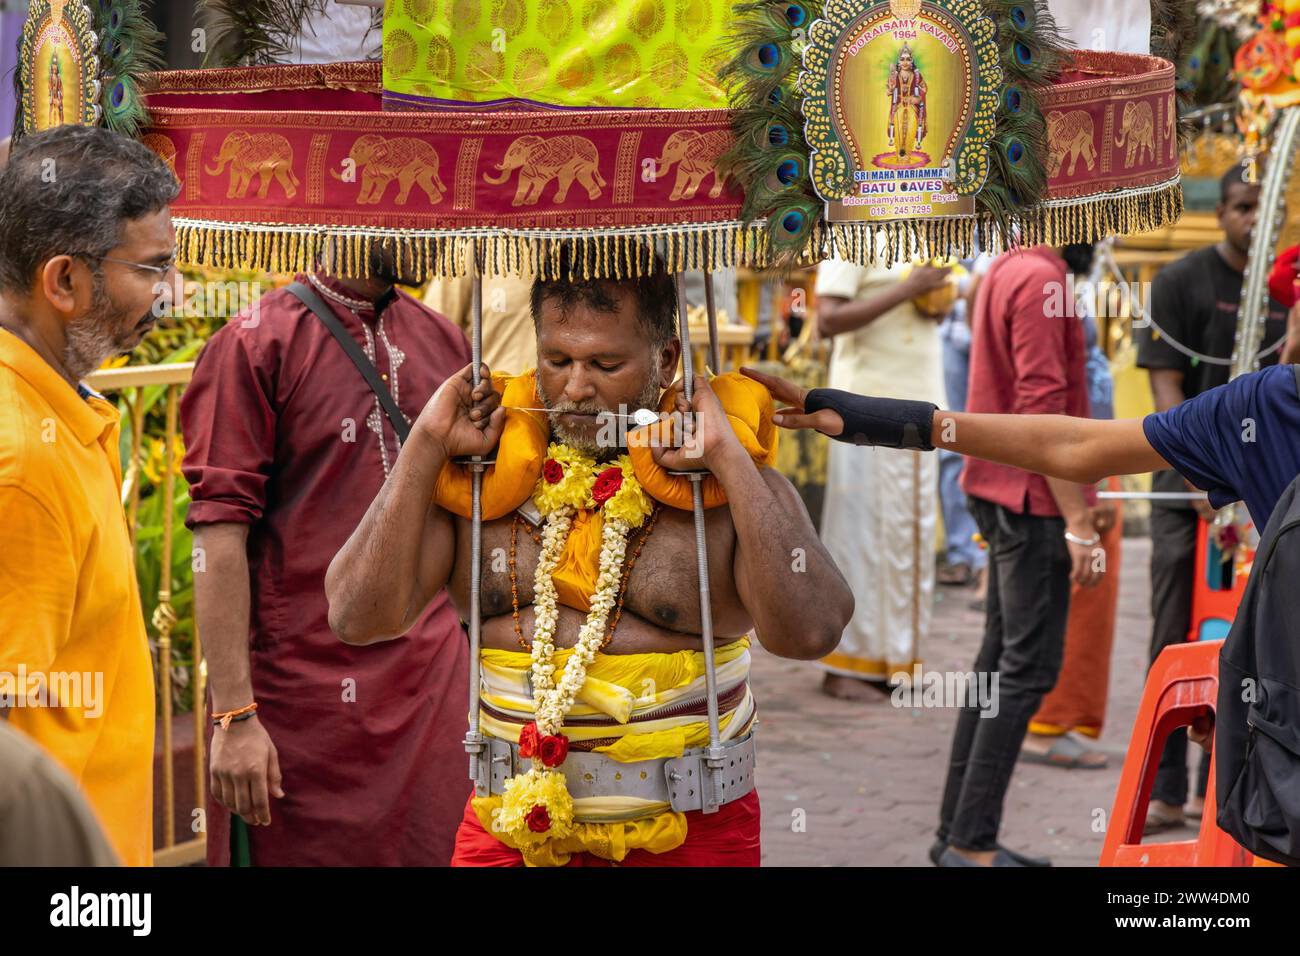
714,761
480,770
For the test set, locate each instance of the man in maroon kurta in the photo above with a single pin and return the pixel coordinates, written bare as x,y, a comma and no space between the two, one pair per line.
354,754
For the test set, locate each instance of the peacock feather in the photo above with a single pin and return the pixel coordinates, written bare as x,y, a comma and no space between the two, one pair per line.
770,156
1174,37
1205,73
1032,51
1173,29
129,45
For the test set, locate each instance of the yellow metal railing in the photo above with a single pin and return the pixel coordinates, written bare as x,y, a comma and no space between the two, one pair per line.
130,382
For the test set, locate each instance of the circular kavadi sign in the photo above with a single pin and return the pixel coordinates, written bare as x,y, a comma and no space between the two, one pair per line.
59,68
900,98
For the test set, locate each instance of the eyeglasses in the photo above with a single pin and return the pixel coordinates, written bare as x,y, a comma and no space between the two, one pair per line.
161,270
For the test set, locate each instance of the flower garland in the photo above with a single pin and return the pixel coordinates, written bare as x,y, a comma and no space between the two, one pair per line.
536,805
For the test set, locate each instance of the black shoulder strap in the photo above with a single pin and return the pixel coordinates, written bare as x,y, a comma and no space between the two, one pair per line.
1296,370
311,300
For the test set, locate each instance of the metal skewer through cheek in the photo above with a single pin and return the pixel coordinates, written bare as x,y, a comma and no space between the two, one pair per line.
714,761
642,416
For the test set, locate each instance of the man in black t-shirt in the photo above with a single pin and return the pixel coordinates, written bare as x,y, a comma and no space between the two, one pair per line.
1187,348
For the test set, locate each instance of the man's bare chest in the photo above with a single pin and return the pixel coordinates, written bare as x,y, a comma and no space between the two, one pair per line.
660,571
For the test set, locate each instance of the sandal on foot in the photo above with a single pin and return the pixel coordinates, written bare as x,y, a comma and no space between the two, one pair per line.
1065,752
1159,820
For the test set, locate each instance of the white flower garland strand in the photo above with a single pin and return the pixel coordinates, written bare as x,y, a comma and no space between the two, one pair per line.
535,805
551,701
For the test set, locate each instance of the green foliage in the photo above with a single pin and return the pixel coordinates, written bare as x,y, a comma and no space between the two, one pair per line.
175,339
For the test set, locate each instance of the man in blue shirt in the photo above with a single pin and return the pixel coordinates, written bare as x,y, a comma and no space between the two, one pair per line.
1187,347
1239,442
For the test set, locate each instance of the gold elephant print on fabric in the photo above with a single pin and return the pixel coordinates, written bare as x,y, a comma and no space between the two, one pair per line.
409,160
163,148
1069,134
695,154
265,155
539,160
1139,127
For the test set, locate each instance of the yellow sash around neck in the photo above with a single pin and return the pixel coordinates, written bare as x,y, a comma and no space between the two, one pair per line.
522,450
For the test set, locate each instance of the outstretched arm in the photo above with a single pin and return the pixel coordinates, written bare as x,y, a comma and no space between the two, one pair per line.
778,552
1082,450
400,555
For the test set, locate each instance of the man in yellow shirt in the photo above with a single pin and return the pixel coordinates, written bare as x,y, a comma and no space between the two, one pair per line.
85,239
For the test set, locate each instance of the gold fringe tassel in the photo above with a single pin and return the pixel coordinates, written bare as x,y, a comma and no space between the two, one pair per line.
1089,220
288,249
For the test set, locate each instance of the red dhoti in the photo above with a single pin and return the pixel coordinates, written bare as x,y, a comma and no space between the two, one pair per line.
1078,701
729,837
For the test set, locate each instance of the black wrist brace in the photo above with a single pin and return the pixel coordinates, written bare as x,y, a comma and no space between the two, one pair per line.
888,422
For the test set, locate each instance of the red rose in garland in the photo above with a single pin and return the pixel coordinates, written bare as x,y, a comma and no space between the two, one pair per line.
538,820
552,471
528,740
553,749
607,484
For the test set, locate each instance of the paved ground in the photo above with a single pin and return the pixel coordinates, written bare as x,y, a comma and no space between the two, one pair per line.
859,784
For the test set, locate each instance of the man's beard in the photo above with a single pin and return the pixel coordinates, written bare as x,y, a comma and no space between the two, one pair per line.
98,335
383,266
604,426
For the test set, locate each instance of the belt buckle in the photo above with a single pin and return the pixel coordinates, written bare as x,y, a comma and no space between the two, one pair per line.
694,785
502,757
688,781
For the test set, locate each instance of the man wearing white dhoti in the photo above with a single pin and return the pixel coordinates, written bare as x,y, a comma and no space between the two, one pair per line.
880,511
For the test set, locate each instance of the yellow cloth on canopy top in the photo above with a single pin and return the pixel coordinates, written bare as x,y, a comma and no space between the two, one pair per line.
580,53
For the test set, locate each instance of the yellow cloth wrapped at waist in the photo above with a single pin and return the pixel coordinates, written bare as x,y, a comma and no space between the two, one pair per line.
627,704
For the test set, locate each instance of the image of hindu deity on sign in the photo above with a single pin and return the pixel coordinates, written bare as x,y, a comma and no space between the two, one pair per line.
54,114
907,117
53,51
900,146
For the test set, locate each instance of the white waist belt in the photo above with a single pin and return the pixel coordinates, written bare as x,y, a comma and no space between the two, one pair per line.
685,783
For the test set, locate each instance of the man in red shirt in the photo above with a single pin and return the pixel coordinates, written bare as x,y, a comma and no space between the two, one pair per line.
354,755
1027,357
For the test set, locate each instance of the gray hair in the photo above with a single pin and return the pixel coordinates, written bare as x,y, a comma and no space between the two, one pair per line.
70,190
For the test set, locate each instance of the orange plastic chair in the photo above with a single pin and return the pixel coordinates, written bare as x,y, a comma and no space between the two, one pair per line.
1182,685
